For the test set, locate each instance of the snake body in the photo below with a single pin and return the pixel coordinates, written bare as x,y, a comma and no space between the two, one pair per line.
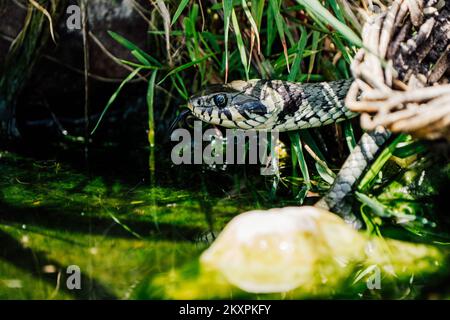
273,104
287,106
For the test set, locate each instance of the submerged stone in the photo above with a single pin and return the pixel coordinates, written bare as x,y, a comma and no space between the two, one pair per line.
301,252
281,249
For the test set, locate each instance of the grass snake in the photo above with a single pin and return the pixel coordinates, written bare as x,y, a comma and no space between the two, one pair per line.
287,106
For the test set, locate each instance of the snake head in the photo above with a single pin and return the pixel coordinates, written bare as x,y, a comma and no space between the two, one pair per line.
234,105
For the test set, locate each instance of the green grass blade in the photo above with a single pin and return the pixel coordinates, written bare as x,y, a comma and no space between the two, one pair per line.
183,67
299,55
114,96
252,24
191,37
376,167
150,104
140,58
227,9
180,9
315,44
123,225
176,33
337,11
342,48
208,44
271,32
138,65
349,15
279,22
181,88
294,171
297,146
151,123
383,211
320,162
132,47
326,17
240,42
378,208
258,11
410,149
349,135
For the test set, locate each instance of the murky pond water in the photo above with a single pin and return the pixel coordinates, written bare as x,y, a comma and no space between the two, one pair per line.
120,225
118,228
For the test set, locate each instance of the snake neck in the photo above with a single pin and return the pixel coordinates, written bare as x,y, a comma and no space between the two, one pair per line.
308,105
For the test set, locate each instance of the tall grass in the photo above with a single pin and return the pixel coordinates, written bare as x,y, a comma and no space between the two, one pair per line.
221,41
227,40
218,41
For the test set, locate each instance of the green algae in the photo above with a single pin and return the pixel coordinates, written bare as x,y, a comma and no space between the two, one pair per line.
415,200
52,216
144,242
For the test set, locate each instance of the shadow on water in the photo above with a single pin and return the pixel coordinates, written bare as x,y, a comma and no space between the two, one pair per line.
72,208
71,221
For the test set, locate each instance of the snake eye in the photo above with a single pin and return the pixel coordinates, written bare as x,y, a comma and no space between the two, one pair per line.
220,100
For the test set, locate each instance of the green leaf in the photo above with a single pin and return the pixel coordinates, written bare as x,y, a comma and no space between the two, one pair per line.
132,47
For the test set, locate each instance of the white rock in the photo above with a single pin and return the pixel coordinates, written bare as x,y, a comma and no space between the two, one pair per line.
279,250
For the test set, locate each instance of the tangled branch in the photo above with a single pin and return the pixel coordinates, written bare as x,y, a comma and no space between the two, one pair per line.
401,71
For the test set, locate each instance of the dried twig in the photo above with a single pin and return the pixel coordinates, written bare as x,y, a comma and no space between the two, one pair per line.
47,14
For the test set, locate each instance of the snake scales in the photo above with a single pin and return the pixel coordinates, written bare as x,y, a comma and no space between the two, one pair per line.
286,106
